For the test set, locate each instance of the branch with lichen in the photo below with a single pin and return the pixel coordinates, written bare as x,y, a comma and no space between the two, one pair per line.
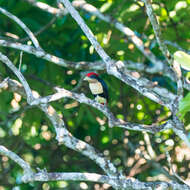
117,71
116,68
42,175
178,127
98,65
11,66
66,138
82,4
158,66
24,165
119,183
141,85
63,136
163,47
82,99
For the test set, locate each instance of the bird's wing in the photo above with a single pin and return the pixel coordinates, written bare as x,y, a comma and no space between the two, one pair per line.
105,88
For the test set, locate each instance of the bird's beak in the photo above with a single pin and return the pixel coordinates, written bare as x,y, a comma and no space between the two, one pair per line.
86,78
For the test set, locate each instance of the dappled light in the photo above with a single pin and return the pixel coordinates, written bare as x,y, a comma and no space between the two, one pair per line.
94,95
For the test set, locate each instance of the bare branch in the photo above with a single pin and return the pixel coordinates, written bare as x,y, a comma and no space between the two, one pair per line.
174,44
112,120
63,136
88,33
117,182
143,86
71,176
114,69
30,176
163,47
99,65
158,65
171,167
44,28
45,7
22,25
3,84
7,62
157,31
25,166
20,62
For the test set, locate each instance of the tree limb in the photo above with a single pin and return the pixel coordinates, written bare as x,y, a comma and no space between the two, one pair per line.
163,47
43,175
9,64
24,165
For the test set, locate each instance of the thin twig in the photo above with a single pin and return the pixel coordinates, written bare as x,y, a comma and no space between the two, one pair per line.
20,61
171,167
44,28
175,66
3,84
22,25
28,91
26,167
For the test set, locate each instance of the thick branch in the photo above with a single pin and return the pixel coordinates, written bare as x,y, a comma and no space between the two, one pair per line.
24,165
15,86
45,7
63,136
98,65
137,84
30,176
158,65
112,120
93,177
72,176
87,32
43,175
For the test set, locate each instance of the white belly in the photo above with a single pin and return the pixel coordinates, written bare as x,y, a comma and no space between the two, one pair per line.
96,88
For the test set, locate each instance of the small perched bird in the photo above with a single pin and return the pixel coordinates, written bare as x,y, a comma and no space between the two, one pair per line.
98,87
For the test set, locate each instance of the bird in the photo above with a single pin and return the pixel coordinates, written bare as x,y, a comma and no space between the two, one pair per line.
97,87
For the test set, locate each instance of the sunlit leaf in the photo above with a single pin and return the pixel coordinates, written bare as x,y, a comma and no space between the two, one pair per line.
183,59
105,139
184,106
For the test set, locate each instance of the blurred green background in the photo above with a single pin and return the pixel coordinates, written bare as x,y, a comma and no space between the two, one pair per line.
27,132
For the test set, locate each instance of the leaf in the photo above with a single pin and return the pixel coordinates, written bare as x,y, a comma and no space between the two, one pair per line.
183,59
105,139
184,106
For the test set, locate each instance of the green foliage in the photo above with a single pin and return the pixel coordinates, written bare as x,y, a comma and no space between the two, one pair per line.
184,106
183,59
